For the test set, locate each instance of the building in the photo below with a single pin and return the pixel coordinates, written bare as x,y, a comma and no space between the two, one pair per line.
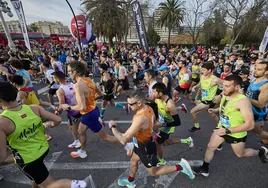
13,26
52,27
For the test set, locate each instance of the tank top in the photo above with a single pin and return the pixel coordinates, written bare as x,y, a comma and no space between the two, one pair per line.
231,117
31,96
144,136
164,117
253,93
27,141
224,75
208,92
195,71
184,79
90,100
70,99
169,88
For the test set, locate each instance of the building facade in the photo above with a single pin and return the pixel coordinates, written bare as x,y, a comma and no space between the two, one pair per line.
52,27
13,26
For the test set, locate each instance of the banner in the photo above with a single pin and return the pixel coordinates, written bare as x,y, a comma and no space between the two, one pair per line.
140,25
264,41
20,13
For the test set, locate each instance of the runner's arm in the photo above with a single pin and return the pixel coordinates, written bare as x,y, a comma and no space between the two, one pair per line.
262,99
165,81
131,132
80,97
60,95
23,97
46,114
171,108
245,108
3,146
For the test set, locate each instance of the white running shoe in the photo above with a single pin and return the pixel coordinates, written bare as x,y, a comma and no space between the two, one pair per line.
76,144
78,184
129,148
191,143
79,153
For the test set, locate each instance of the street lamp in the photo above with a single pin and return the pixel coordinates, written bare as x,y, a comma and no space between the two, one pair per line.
5,9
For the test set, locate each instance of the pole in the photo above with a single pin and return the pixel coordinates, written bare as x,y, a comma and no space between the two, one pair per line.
9,39
79,38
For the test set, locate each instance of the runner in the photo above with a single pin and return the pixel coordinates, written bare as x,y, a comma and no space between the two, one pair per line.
66,95
209,85
145,149
236,118
167,79
257,94
29,148
85,91
168,119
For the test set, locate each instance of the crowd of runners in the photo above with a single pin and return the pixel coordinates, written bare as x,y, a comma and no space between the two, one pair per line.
231,87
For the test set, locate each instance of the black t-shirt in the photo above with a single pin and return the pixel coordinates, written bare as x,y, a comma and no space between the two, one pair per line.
244,85
26,64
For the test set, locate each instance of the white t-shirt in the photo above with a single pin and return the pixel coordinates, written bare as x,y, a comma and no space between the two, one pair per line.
49,76
150,90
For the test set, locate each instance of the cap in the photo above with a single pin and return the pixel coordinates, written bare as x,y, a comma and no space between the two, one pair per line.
163,67
244,71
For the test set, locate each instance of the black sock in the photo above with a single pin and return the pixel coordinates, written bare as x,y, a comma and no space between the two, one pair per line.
261,152
205,165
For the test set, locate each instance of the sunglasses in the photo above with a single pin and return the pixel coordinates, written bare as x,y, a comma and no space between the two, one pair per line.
131,104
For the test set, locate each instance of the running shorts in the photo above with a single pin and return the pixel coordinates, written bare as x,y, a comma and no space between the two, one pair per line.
162,137
232,140
91,120
210,103
74,119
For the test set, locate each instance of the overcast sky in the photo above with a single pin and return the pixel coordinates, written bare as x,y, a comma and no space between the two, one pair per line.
51,10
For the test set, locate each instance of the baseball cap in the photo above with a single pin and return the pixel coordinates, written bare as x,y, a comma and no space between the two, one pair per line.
163,67
244,71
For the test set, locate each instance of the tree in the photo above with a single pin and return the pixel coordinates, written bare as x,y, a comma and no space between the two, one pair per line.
214,28
152,36
171,16
106,17
197,11
32,27
240,14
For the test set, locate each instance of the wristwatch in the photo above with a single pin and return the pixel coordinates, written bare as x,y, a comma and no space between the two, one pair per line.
227,131
69,108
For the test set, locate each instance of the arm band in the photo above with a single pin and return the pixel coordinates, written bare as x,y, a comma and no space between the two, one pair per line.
176,122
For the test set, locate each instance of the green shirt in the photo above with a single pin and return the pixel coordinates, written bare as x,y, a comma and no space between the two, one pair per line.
27,141
208,92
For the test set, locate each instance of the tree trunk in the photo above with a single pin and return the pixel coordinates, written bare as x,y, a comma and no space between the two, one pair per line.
169,33
110,42
234,38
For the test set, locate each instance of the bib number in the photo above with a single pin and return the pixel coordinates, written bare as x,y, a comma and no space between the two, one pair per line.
135,142
204,93
225,122
161,119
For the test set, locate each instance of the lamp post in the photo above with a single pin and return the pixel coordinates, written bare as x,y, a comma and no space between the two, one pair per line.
5,9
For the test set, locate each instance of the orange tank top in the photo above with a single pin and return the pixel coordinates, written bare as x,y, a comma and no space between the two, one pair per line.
90,99
143,136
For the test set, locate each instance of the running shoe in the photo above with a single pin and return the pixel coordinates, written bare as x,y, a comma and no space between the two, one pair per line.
201,171
123,182
78,184
219,148
264,155
48,137
79,153
186,168
191,142
76,144
184,108
129,148
194,129
161,162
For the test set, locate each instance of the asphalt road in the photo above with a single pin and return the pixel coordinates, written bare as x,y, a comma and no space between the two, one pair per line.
107,162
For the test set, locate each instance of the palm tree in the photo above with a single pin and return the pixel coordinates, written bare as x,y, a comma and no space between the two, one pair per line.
107,18
171,15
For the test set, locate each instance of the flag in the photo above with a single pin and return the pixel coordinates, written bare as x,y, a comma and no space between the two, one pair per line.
20,13
264,41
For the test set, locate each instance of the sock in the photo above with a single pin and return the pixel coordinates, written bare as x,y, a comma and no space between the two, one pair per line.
130,179
102,112
178,167
119,105
261,152
185,141
78,183
205,165
196,125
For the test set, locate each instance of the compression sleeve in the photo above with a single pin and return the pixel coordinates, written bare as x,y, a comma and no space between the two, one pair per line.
176,122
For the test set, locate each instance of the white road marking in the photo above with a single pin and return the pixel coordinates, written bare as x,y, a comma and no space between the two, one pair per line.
43,90
54,158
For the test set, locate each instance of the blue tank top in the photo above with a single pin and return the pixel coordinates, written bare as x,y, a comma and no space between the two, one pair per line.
169,88
253,93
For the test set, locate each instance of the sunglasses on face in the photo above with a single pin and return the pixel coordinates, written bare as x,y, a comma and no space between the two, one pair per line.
131,104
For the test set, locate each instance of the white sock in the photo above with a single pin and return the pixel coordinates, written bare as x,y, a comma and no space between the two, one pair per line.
78,184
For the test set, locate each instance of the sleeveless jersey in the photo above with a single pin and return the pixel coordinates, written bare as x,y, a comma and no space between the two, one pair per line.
208,92
70,99
164,117
31,96
27,141
231,117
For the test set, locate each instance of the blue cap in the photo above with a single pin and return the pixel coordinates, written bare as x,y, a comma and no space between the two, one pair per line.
163,67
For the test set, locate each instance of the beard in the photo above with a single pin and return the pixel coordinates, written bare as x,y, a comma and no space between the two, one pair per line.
228,93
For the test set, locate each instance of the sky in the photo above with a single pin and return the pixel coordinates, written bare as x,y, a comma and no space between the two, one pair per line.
51,10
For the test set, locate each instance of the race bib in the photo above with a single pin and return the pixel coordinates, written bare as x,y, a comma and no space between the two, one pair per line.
161,119
135,142
225,122
204,93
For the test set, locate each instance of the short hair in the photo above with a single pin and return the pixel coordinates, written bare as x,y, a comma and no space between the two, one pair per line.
16,63
227,64
150,72
59,75
160,87
8,92
265,62
2,61
184,62
237,79
209,66
79,67
137,95
16,79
